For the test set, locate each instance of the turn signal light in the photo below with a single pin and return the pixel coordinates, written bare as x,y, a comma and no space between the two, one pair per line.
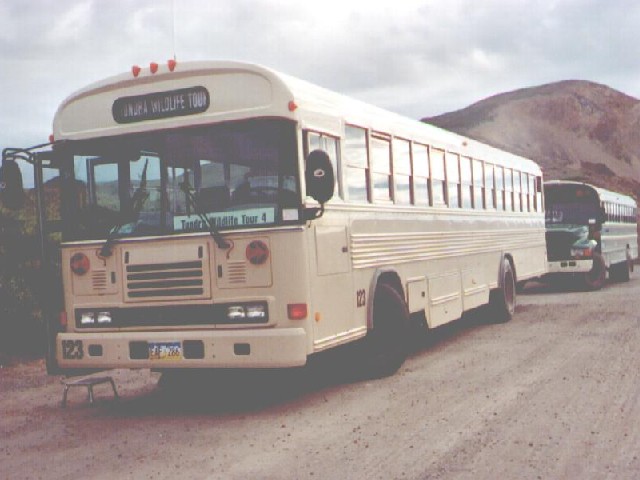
79,264
297,311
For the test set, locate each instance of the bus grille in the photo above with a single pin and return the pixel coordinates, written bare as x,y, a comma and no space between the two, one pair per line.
559,245
178,279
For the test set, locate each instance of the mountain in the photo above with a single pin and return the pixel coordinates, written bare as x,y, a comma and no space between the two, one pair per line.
574,129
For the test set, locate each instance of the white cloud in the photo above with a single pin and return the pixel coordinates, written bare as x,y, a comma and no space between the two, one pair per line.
417,57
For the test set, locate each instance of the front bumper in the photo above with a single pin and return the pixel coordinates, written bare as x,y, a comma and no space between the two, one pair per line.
260,348
570,266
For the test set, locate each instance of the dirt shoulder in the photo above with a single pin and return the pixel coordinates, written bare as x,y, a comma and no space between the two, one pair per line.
552,394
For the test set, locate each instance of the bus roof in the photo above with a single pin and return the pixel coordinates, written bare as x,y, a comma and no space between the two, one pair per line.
604,194
237,91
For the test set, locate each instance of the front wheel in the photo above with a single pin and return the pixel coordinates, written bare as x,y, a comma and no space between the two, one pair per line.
502,301
385,346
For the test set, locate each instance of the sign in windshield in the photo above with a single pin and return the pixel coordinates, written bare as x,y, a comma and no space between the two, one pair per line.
241,218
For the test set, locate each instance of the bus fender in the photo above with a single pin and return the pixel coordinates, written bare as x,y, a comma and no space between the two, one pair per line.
389,277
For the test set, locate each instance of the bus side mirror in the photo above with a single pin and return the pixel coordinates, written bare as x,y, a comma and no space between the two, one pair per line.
11,190
319,176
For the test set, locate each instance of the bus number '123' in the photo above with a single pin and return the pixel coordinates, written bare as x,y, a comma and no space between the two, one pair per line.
361,298
72,349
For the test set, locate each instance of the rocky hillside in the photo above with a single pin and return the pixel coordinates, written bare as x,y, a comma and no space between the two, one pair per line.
574,129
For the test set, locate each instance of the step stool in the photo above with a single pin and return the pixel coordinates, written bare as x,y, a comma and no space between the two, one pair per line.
89,383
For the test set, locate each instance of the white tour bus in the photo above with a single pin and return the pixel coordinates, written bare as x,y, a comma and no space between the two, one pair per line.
224,215
590,231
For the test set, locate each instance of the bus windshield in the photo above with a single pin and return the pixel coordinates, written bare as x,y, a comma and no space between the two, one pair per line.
235,175
571,205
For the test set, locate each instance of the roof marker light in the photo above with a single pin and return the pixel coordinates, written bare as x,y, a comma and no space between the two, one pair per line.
172,64
292,106
153,66
51,138
135,70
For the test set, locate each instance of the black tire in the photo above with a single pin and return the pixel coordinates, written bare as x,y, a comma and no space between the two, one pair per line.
594,279
386,345
502,301
620,272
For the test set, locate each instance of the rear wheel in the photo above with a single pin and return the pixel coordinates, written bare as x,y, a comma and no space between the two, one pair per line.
502,301
385,346
595,278
620,272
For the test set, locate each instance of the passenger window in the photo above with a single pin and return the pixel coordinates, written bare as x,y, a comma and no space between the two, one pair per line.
466,189
517,191
330,145
453,180
508,189
478,182
355,150
420,174
381,168
500,193
489,198
402,171
437,177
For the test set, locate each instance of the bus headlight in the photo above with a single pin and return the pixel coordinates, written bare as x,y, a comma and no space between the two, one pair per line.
250,311
256,312
87,318
236,312
104,318
581,252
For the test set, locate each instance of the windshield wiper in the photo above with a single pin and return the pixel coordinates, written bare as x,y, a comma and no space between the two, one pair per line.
193,201
137,201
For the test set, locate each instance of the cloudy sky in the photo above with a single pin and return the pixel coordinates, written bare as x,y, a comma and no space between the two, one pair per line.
415,57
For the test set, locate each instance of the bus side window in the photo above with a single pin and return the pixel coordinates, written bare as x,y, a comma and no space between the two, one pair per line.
357,164
466,188
517,189
489,197
402,171
500,194
453,179
478,182
421,174
330,145
508,186
437,176
380,148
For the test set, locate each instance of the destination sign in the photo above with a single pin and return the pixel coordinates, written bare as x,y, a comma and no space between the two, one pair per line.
155,106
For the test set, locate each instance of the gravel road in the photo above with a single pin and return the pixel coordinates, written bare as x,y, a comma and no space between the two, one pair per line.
555,393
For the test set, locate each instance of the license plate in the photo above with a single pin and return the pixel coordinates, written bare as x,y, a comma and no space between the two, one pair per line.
165,351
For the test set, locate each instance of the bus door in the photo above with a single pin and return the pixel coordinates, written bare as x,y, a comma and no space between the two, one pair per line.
48,188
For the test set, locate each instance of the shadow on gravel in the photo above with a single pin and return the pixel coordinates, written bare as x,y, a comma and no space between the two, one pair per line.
221,392
562,285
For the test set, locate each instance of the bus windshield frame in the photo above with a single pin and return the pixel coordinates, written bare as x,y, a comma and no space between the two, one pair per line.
241,174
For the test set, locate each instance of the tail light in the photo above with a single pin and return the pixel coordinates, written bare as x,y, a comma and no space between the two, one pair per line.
297,311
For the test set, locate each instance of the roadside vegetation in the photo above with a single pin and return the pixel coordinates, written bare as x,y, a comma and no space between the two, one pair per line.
22,284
